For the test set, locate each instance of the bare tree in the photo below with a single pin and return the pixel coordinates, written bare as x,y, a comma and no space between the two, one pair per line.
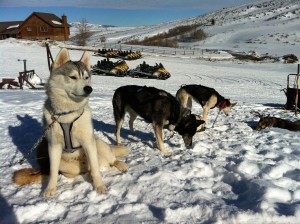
102,39
84,32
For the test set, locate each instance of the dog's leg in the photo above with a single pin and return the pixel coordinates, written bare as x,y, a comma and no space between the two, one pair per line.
72,169
92,156
209,104
133,116
184,99
189,103
158,130
123,167
107,155
55,152
119,124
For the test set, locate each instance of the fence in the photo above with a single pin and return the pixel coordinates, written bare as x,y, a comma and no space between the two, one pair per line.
158,50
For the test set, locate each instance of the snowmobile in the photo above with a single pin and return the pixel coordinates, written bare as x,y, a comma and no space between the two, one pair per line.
108,53
129,55
125,55
151,72
109,68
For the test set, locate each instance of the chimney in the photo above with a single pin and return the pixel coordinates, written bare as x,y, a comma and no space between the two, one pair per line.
64,20
66,28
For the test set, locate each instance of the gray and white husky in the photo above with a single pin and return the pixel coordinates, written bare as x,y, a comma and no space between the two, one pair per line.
73,148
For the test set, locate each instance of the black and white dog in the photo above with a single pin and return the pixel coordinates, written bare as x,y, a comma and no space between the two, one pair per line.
156,106
207,97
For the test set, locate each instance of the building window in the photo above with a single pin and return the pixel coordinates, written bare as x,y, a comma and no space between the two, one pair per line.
29,29
43,28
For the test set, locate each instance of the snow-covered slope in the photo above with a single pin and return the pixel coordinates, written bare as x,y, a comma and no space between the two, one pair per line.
261,27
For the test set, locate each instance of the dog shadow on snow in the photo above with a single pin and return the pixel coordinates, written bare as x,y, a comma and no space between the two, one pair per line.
30,130
107,129
24,136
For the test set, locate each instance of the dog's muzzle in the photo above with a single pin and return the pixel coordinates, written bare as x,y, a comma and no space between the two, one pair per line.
188,141
88,89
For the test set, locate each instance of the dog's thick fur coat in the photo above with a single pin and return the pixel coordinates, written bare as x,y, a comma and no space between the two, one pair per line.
156,106
207,97
68,91
268,122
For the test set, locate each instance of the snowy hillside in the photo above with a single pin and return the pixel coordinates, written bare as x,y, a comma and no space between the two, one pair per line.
260,27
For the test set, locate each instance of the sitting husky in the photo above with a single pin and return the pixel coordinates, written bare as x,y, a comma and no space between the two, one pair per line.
73,148
207,97
157,107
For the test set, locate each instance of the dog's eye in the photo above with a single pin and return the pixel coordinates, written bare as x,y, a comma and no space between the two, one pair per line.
73,77
86,77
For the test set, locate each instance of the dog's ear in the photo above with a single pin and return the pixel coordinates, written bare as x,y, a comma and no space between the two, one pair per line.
199,122
85,59
233,104
61,58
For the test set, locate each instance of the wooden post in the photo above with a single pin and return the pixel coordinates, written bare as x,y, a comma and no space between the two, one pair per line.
49,57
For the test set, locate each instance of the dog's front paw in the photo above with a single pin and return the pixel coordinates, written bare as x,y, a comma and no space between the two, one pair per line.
167,152
101,189
123,167
49,192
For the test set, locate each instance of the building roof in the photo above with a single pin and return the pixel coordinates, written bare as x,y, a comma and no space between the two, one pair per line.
12,27
49,18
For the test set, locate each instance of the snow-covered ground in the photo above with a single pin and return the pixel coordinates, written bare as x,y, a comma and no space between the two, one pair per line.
232,174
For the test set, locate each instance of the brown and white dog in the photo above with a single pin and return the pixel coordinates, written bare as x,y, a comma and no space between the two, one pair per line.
70,147
268,122
207,97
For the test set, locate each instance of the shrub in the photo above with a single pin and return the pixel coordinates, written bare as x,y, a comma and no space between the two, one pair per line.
168,39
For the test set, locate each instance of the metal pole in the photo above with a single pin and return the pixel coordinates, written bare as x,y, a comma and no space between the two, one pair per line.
21,77
25,66
297,90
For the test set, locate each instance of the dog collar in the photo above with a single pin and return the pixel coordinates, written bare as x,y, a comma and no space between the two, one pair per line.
223,104
65,113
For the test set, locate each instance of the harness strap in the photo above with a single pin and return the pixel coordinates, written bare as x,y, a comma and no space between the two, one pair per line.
221,107
66,128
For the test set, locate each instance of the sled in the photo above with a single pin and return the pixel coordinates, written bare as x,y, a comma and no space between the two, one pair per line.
27,78
292,91
109,68
144,70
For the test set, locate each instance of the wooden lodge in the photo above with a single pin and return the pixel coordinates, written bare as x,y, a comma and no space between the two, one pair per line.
38,26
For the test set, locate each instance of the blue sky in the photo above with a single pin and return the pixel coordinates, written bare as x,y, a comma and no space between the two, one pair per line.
114,12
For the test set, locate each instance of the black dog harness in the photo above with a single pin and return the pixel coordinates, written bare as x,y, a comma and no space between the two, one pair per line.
66,128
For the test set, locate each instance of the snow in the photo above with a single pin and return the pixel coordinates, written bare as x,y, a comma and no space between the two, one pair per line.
56,22
232,174
12,27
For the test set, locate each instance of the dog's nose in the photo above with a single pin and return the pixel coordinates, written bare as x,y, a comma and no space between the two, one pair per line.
88,89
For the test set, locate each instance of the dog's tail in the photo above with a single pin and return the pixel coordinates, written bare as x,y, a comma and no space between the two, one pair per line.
28,176
119,150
